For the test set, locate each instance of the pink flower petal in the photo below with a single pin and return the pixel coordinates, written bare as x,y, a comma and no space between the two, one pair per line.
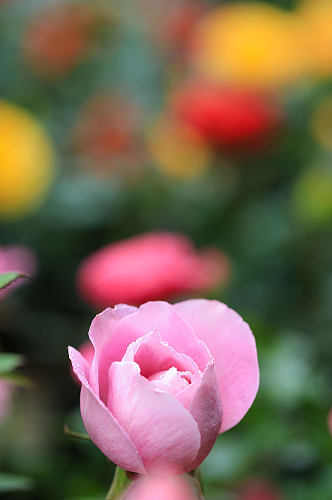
102,427
164,432
109,343
160,488
154,355
206,410
163,318
233,347
114,329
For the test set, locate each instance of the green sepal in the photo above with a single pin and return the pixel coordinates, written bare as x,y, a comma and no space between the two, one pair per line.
76,435
7,279
120,483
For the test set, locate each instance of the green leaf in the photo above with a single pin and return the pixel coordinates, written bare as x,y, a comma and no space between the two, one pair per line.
8,362
119,484
77,435
7,279
12,482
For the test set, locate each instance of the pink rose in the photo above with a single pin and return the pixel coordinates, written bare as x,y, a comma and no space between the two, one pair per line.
160,488
17,259
152,266
164,381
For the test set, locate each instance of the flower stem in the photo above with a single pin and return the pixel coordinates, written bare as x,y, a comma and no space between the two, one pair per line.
119,484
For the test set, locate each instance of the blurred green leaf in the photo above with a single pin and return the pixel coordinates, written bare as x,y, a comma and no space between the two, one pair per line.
7,279
8,362
12,482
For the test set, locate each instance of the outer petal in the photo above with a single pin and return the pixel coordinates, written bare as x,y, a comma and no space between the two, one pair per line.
109,343
233,347
206,410
102,427
164,432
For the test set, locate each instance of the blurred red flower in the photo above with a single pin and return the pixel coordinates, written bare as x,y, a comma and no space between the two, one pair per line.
171,23
228,117
259,489
58,37
152,266
107,131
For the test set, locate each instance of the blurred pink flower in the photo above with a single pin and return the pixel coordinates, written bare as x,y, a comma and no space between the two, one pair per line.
5,397
160,488
329,421
17,259
164,381
152,266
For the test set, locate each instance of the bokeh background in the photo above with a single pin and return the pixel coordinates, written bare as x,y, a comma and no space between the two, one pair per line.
203,118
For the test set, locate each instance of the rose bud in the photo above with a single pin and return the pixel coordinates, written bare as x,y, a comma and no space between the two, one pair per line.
161,488
165,381
152,266
226,117
17,259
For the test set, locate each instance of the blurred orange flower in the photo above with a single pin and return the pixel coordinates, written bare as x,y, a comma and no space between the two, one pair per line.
317,18
177,149
250,44
26,161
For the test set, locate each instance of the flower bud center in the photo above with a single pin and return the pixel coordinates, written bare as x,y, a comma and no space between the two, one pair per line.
171,380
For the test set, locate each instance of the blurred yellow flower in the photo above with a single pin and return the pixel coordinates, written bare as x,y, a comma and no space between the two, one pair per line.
26,161
321,124
312,198
177,150
250,44
317,18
